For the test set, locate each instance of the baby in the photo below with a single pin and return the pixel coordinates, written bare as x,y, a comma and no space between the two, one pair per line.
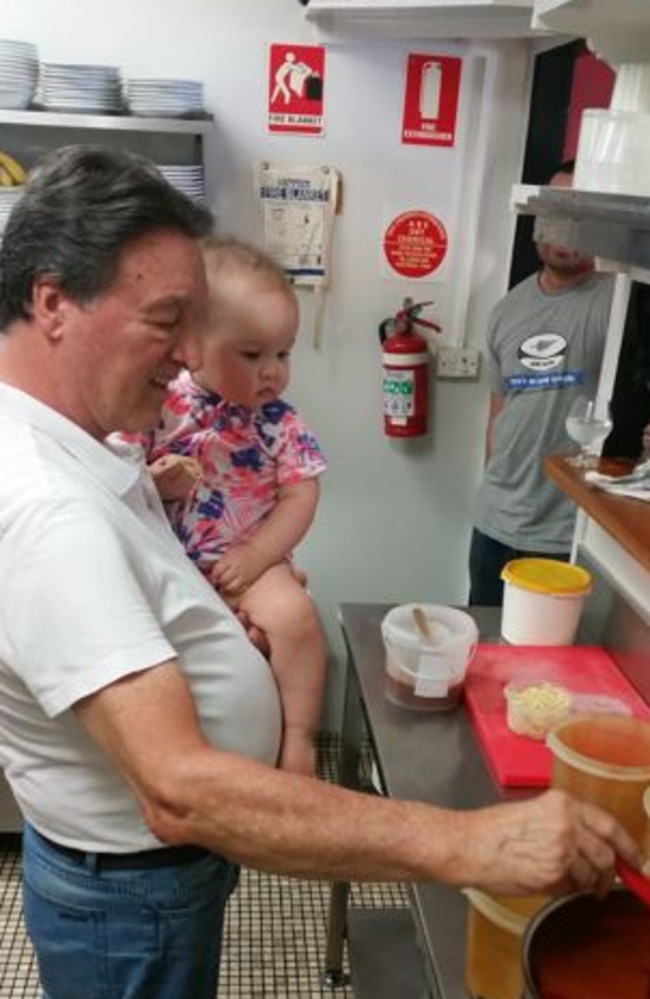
238,470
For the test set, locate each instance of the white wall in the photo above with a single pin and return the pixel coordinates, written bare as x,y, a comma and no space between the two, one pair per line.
395,518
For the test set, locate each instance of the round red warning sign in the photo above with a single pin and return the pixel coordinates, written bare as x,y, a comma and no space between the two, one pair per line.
415,244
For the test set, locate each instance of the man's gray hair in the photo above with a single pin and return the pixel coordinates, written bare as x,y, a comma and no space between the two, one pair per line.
82,205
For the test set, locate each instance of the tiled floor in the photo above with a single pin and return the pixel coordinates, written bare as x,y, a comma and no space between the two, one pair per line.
275,932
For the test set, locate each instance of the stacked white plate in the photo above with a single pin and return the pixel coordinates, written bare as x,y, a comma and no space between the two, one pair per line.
149,98
18,73
188,179
80,89
8,198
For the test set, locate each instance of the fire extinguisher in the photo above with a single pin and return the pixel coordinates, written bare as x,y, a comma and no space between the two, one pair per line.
405,360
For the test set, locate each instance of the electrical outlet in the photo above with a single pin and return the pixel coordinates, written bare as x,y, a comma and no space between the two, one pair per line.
458,363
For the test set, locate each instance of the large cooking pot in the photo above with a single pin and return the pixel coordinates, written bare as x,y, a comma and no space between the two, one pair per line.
583,947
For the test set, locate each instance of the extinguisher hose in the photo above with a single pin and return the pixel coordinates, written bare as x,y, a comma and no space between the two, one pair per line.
386,327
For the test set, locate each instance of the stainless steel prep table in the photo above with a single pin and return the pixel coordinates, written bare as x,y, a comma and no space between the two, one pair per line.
431,757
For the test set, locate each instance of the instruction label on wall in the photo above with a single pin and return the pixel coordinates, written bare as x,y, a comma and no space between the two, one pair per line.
415,244
296,88
297,206
431,100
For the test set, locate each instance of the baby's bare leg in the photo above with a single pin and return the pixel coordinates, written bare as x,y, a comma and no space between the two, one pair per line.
279,605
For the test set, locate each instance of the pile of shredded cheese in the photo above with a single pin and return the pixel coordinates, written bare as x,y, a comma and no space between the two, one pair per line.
534,710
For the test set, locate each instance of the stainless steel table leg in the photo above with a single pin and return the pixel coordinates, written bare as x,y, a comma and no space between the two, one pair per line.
334,977
351,738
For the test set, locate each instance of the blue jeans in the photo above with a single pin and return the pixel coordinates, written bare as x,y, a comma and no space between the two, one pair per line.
124,934
487,558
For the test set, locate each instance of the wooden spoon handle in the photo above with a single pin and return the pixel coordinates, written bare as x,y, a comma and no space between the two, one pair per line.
421,623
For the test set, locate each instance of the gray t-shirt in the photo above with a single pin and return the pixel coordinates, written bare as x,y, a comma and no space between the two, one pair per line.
543,350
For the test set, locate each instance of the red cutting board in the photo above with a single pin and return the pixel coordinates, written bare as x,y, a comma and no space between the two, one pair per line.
516,760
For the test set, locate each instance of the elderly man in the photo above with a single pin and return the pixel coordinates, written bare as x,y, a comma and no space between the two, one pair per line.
139,728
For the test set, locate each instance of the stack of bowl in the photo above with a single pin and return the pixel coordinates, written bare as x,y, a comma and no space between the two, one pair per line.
18,73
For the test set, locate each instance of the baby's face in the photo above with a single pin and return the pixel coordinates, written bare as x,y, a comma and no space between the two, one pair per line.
246,355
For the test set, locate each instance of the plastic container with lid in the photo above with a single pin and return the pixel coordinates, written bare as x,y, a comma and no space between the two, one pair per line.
542,601
427,672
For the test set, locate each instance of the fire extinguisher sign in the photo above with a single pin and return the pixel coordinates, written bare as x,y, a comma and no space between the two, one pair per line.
431,100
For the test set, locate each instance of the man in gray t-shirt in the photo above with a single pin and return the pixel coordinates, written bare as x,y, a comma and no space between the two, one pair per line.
545,342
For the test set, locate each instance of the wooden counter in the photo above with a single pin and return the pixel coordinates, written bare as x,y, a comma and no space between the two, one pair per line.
626,519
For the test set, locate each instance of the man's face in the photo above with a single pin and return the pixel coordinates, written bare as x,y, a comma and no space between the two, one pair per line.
557,258
125,346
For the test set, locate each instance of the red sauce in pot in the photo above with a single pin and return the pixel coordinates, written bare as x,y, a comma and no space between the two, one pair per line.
609,959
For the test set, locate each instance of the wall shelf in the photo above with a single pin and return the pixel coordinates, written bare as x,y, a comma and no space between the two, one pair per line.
113,123
578,16
423,19
613,226
618,29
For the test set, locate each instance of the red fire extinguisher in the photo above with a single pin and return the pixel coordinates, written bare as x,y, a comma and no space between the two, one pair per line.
405,360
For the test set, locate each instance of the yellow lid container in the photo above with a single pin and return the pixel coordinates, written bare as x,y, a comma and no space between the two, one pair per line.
542,601
547,575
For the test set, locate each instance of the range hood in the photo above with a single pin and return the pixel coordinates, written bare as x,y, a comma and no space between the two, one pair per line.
395,19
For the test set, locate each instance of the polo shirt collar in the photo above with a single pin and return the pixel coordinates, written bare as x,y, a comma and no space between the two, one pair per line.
117,468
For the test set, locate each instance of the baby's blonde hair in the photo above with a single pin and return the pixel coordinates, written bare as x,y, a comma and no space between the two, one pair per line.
227,257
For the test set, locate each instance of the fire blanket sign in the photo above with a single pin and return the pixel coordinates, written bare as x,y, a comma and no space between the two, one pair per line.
296,83
415,244
431,100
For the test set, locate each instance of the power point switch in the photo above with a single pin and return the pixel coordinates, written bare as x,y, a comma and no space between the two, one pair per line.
458,363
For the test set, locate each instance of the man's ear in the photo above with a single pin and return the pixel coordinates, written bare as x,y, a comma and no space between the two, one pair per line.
50,306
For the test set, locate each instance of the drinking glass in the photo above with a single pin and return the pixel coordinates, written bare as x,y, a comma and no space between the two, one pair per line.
587,427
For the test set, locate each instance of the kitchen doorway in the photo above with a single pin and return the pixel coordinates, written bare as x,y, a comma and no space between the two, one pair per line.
566,80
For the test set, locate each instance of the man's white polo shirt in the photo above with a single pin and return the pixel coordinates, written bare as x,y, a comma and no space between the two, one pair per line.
95,586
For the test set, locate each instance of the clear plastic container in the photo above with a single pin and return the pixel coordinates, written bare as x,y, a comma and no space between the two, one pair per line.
495,927
605,759
535,704
427,673
613,154
534,708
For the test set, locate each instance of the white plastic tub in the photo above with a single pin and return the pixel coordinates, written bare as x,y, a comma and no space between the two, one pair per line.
542,601
427,674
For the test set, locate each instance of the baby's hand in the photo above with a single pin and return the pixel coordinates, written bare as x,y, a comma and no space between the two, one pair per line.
238,569
175,476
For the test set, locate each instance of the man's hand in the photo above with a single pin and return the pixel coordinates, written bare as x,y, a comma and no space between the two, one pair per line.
255,634
551,843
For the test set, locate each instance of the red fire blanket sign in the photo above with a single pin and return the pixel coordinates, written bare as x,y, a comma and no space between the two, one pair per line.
431,100
415,244
296,82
